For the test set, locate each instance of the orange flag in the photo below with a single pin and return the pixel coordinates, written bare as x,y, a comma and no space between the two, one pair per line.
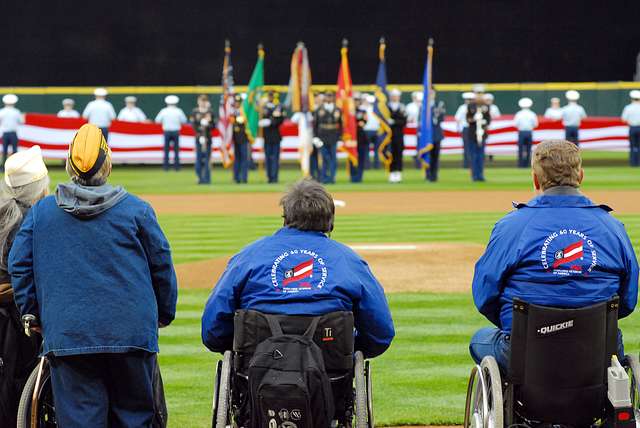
344,101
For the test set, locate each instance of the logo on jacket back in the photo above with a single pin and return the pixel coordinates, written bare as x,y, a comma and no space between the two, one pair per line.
568,252
298,270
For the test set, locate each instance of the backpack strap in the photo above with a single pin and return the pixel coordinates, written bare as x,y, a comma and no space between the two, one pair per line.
311,330
274,325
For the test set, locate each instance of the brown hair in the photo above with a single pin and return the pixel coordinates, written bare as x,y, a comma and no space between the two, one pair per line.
308,206
557,163
203,97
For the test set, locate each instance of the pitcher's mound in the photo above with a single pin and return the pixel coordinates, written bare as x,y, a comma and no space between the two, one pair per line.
400,267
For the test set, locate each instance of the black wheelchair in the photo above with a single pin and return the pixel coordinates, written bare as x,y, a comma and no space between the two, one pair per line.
37,408
349,373
563,371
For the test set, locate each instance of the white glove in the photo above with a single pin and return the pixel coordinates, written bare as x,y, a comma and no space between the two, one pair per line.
296,117
204,122
263,123
202,140
317,142
391,121
258,143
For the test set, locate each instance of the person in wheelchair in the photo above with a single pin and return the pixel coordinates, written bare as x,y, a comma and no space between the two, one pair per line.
26,181
300,271
93,266
559,249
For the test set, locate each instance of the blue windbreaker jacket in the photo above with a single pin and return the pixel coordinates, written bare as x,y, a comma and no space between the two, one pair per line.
299,273
557,250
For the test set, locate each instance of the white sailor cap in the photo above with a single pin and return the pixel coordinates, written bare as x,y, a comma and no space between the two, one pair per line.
24,167
68,102
525,102
478,88
488,97
468,96
10,99
130,99
572,95
635,94
370,98
171,99
395,92
100,92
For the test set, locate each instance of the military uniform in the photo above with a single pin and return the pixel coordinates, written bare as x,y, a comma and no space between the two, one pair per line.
631,116
357,172
437,116
327,126
241,147
272,117
398,122
203,122
476,148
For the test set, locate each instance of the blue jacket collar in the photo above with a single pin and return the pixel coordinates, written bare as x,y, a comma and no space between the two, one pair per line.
561,198
292,231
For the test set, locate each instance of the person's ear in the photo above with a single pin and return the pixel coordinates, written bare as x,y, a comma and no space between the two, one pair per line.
581,177
536,182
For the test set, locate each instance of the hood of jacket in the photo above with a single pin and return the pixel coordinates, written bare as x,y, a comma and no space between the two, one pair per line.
88,201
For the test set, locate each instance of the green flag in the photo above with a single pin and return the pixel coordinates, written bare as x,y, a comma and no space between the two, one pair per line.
251,104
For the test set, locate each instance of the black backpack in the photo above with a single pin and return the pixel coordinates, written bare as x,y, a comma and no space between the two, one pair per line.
288,383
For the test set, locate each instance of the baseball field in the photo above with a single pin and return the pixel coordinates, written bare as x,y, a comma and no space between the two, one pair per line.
421,240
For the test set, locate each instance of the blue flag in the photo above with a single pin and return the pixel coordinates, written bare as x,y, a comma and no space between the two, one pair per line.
425,125
380,108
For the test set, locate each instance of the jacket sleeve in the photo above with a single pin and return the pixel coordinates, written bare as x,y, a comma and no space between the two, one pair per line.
491,271
217,318
21,269
629,281
372,317
163,275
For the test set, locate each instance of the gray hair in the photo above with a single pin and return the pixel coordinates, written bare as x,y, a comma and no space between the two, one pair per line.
14,204
308,206
97,179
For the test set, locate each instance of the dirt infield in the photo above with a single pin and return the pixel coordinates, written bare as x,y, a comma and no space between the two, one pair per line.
399,267
627,201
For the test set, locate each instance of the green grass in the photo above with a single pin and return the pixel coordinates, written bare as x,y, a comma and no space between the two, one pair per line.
604,170
420,380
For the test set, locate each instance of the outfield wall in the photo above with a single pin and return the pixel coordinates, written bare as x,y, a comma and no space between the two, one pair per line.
598,98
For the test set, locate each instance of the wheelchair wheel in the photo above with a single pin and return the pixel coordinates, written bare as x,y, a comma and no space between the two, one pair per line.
634,375
363,413
38,386
484,406
222,393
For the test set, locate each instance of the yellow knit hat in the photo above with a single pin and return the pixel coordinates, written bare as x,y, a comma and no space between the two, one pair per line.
88,151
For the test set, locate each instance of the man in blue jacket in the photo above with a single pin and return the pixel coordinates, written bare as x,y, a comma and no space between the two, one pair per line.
92,264
300,271
559,249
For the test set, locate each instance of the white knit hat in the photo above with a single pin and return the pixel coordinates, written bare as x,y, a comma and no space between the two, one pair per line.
24,167
171,99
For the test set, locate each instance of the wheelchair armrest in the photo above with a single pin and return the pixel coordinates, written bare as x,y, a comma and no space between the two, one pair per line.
618,384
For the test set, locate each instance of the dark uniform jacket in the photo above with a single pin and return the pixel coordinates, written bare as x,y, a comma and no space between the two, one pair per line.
327,125
195,119
486,116
276,115
361,121
239,128
398,121
437,115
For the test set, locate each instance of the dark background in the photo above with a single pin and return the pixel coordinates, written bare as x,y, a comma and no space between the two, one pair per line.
181,42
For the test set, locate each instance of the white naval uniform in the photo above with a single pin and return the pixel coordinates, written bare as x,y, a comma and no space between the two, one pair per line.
99,113
10,118
553,113
461,117
132,115
572,114
171,118
413,113
494,111
526,120
68,114
631,114
373,123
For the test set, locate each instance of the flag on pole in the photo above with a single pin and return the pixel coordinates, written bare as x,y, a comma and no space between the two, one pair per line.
251,104
380,108
425,125
344,101
300,101
225,127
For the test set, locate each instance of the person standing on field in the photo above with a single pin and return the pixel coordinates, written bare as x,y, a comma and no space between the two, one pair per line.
631,116
172,118
10,119
130,112
526,121
100,112
572,115
68,110
101,299
203,122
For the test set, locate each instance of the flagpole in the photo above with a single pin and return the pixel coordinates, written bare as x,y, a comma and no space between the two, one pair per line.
258,104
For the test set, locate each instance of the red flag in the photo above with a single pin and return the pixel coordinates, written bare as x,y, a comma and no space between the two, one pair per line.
344,101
